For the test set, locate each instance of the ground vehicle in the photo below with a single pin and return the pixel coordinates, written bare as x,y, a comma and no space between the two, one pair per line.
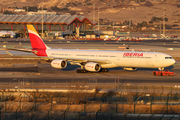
7,34
164,73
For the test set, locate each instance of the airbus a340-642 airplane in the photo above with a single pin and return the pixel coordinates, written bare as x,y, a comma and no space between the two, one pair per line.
97,60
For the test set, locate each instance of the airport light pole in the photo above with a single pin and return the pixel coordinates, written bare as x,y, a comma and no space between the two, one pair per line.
164,21
98,18
94,15
160,28
42,21
93,12
129,23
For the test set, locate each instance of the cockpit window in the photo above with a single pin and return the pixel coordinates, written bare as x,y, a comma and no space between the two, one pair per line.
168,58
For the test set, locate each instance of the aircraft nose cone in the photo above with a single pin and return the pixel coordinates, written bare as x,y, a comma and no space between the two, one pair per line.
173,61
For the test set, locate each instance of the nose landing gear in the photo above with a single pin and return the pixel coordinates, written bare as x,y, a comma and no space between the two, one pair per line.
161,69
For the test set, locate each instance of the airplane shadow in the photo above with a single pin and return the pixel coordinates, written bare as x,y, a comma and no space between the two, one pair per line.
74,67
71,67
68,68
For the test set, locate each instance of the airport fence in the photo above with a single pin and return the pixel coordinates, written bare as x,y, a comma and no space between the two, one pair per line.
87,101
83,105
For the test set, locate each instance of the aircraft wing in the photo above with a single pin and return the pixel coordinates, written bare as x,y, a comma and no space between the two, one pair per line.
89,60
76,60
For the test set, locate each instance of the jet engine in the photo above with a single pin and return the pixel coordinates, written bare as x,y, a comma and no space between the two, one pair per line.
93,67
130,69
58,63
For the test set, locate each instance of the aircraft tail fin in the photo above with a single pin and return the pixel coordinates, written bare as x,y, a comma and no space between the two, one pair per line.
36,41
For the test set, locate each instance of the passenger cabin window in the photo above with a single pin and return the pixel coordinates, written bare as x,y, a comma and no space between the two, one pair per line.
168,58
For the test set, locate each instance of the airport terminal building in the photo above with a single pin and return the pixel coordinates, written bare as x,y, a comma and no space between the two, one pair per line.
63,23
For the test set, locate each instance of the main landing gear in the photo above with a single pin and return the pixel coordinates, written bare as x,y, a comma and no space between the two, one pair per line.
104,70
84,71
81,71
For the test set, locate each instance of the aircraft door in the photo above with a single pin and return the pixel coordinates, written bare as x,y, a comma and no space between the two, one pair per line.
72,55
118,57
157,58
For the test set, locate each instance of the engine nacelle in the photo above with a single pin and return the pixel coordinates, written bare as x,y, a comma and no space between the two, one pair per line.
130,69
93,67
58,63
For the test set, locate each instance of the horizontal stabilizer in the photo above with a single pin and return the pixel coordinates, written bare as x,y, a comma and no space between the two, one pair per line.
22,50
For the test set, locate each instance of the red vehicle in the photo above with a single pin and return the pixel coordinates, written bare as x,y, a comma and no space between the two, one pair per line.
146,35
175,36
126,39
164,73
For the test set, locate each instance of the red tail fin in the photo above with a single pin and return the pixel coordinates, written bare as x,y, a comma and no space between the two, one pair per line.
36,41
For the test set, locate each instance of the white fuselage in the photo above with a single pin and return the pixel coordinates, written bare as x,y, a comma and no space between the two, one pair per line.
116,58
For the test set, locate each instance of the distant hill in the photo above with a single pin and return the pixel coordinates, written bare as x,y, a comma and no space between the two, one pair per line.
110,10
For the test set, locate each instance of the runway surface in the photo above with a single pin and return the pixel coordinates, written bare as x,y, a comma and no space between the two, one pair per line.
45,73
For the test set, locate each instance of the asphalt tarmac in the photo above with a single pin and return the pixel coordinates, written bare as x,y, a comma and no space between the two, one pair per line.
43,72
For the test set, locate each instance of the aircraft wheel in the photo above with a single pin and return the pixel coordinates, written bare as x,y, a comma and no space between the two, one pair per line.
161,74
83,71
154,73
105,70
78,71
